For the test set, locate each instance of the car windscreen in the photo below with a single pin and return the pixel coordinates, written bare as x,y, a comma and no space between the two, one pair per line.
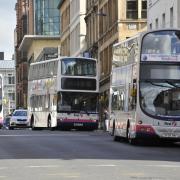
20,113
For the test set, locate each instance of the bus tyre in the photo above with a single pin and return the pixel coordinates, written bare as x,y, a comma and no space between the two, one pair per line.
116,138
32,125
50,125
132,141
113,129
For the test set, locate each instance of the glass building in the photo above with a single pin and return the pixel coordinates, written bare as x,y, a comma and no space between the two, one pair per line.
47,17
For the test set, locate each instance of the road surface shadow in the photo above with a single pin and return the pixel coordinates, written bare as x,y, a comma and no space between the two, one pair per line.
80,145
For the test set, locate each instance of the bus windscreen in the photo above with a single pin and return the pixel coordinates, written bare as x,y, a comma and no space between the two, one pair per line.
161,46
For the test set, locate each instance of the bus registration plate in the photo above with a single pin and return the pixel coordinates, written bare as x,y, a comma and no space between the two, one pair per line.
169,134
78,124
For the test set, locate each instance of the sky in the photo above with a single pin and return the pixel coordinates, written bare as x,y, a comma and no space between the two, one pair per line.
8,24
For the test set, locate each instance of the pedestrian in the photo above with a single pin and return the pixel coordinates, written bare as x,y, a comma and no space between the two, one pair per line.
106,119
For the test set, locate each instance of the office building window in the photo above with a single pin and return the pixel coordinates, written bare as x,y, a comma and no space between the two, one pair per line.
150,26
171,17
11,96
163,20
131,9
11,79
144,9
47,20
157,23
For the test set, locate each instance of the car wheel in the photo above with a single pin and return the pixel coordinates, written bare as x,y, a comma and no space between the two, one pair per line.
11,128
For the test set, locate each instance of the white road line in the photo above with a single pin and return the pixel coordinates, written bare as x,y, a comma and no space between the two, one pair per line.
164,166
42,135
103,165
2,177
1,168
65,175
44,166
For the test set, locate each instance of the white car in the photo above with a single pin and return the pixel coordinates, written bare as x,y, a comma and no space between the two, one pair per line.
19,119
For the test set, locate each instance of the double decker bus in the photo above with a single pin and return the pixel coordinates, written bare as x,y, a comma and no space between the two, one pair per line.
63,93
145,87
1,101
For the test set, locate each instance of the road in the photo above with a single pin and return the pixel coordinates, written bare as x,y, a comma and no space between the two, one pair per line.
81,155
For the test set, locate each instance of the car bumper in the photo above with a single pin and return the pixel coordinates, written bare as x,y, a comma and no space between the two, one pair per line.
19,124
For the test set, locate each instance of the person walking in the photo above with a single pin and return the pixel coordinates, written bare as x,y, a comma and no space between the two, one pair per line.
106,119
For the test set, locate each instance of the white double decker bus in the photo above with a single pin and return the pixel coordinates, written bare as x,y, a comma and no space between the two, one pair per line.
63,93
1,101
145,87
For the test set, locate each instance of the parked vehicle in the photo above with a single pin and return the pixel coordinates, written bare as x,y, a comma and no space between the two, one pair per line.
19,119
1,123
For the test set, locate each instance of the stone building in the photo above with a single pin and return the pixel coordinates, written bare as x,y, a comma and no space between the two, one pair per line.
108,22
163,14
73,27
7,72
38,27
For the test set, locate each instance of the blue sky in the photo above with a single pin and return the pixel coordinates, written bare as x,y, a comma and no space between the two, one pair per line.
8,24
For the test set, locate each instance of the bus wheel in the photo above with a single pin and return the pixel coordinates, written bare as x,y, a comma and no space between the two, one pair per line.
116,138
32,125
49,124
113,129
132,141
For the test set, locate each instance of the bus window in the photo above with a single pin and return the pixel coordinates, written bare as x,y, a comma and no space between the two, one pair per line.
115,100
118,100
133,95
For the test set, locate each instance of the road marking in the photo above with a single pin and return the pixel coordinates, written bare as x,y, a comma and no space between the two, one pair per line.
65,175
164,166
44,166
42,135
3,177
103,165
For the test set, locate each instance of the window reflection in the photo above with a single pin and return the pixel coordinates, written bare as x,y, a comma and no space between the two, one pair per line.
164,43
47,17
76,102
118,99
161,99
78,67
160,89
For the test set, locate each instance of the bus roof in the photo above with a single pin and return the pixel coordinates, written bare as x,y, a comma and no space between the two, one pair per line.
143,33
133,37
62,57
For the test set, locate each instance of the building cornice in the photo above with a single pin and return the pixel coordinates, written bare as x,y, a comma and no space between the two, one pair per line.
28,39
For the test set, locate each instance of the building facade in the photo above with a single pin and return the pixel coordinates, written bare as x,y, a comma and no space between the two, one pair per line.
108,22
47,18
64,8
92,25
7,71
73,27
21,64
38,27
163,14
